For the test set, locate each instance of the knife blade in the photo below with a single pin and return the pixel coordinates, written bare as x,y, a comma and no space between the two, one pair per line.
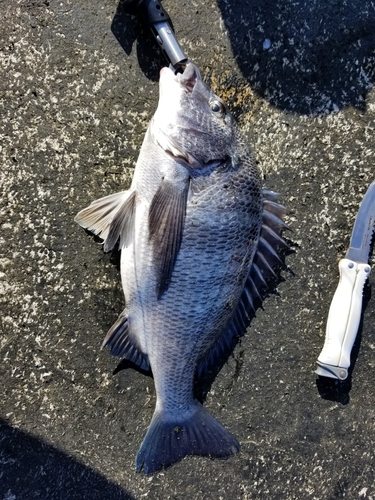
345,311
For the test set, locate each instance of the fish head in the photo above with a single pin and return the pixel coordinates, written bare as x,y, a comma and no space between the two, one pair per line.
191,123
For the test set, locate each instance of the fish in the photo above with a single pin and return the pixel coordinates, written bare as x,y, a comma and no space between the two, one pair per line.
199,237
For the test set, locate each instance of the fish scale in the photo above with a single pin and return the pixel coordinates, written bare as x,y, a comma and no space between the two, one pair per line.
198,239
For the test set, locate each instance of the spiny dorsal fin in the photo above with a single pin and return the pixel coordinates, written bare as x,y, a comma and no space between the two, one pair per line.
166,223
265,260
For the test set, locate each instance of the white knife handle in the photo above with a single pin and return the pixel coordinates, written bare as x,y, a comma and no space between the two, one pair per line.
343,320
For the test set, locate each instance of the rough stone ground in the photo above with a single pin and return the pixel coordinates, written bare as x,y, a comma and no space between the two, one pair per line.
78,86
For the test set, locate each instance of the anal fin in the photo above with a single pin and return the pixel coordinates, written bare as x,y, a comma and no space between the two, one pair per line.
119,340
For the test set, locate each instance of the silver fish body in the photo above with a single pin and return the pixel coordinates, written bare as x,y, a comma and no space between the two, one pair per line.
196,236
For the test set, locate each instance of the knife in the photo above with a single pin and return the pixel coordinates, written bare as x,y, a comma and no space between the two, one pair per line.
346,306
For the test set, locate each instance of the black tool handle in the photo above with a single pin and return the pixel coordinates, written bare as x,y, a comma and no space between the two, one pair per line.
152,13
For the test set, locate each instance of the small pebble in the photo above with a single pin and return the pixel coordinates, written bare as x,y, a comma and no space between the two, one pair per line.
267,44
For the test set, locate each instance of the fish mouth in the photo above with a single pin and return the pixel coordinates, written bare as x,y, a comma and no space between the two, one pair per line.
187,79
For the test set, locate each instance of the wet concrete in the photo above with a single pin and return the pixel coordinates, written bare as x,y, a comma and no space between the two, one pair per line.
78,86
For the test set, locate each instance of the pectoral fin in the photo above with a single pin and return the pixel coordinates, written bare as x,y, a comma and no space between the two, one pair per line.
111,218
166,222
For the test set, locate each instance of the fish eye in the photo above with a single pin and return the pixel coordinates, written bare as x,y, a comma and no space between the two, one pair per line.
217,107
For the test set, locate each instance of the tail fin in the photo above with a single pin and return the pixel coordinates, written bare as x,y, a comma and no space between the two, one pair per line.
172,436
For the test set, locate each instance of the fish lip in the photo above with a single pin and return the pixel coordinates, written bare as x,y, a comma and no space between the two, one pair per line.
187,79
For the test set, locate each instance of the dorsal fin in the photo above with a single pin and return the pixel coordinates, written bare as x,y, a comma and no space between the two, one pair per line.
265,260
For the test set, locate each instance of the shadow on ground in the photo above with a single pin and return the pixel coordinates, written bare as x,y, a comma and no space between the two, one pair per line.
33,469
305,57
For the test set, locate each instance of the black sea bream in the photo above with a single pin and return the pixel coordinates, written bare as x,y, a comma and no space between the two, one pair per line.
197,236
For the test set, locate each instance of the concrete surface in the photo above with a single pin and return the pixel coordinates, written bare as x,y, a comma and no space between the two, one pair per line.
78,86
